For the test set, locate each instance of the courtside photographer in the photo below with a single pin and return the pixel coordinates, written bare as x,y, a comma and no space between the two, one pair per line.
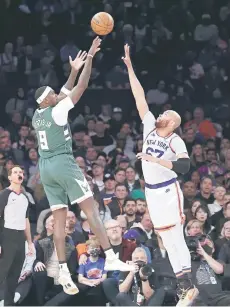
140,288
205,269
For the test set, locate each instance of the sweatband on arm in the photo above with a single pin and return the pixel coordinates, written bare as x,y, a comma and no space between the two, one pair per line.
182,165
65,91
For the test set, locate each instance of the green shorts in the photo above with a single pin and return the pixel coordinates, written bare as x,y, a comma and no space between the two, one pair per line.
63,179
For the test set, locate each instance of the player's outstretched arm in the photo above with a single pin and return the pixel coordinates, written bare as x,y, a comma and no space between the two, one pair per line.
83,81
136,87
76,65
181,165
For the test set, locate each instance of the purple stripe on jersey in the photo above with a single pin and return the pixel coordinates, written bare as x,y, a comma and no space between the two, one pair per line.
161,184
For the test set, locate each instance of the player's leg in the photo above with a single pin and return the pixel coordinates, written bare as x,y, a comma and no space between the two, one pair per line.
78,191
186,290
58,202
166,215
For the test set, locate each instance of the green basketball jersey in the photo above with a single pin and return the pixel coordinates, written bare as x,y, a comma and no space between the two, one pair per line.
53,139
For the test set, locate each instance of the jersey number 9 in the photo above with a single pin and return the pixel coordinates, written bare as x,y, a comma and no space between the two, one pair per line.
43,140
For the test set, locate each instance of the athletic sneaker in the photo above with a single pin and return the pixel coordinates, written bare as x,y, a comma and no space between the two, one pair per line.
68,285
17,297
115,264
187,297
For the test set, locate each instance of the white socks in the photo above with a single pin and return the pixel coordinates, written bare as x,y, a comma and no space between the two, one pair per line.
63,266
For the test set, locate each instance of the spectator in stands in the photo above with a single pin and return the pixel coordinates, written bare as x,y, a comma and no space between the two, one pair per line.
71,229
131,181
141,208
144,228
219,218
92,273
158,96
206,31
109,190
197,156
202,215
146,290
122,220
101,139
124,248
46,266
218,203
189,192
223,238
206,188
119,175
205,126
98,174
117,202
130,209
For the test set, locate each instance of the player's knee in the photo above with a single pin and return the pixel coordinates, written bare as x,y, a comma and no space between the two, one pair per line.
166,239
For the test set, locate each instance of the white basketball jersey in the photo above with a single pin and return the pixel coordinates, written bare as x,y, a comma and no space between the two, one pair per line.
164,148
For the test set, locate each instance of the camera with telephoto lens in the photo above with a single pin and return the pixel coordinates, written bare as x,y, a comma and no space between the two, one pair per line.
193,243
146,269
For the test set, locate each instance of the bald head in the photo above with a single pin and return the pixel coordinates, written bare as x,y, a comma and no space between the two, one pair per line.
175,117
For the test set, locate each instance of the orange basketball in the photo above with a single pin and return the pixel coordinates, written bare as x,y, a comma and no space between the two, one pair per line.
102,23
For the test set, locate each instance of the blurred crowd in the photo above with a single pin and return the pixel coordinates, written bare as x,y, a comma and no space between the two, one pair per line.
180,49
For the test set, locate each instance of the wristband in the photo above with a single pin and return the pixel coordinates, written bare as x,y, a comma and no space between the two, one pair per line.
90,55
65,91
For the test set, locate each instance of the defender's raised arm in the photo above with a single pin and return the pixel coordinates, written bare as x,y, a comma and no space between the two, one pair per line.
136,87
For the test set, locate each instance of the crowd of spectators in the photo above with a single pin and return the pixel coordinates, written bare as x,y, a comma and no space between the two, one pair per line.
181,53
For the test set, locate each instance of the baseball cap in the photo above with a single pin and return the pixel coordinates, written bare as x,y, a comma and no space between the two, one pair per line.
97,164
108,177
124,160
131,234
117,110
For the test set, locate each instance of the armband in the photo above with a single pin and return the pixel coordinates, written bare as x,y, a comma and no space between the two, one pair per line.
65,91
182,165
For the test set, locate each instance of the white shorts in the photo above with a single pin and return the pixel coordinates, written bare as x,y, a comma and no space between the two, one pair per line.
165,205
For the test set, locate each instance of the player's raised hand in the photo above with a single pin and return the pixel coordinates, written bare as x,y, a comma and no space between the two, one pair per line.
126,59
95,46
79,60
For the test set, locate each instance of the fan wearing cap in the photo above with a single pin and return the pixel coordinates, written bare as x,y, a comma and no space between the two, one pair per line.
108,192
60,175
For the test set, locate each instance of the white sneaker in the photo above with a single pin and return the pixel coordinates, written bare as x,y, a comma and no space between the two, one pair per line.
68,285
115,264
187,297
17,297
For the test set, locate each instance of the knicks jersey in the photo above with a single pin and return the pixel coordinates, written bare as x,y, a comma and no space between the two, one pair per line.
165,148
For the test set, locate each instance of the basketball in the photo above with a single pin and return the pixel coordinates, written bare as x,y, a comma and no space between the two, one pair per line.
102,23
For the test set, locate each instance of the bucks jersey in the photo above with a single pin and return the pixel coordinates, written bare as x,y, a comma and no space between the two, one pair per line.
166,148
52,129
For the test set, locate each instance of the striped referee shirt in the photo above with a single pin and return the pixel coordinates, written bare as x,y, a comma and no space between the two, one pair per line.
13,209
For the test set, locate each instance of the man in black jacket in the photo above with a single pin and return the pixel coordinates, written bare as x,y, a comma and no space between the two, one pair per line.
46,268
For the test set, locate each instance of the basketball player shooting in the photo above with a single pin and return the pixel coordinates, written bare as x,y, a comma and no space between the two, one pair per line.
60,175
164,155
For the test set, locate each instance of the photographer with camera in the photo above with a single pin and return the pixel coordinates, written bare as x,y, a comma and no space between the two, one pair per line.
140,288
205,269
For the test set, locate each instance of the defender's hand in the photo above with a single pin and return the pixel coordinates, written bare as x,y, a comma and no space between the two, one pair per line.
126,59
79,60
95,46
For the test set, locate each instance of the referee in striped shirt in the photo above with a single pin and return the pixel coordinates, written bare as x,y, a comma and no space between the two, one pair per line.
15,229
